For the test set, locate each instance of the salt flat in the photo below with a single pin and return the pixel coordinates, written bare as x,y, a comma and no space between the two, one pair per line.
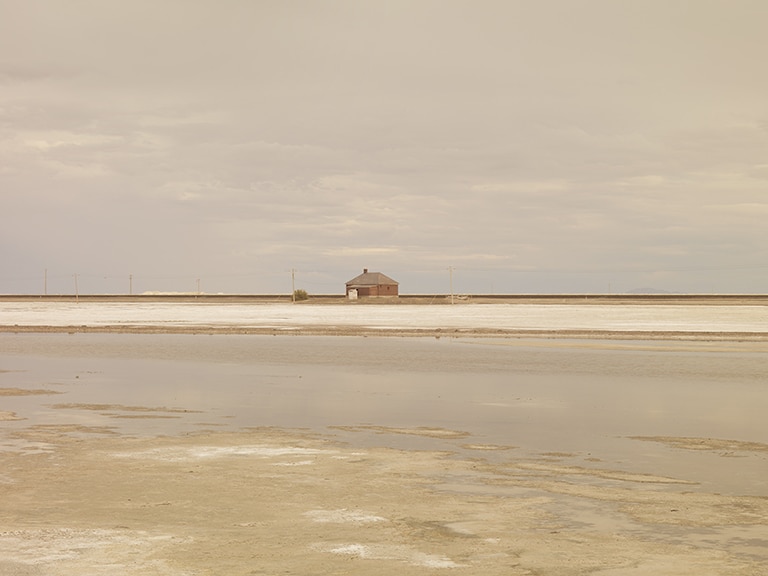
509,317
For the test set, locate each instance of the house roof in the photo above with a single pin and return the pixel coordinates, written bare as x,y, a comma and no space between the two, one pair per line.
371,279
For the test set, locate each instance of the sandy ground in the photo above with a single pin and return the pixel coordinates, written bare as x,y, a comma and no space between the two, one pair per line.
80,500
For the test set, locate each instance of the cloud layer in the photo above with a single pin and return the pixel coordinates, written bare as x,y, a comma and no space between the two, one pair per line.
533,146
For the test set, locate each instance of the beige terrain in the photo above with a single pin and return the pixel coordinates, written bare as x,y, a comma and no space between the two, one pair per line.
90,500
79,500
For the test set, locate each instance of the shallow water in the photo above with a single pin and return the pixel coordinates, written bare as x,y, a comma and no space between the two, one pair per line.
583,400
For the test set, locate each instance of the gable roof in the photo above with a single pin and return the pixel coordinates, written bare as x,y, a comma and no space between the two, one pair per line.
371,279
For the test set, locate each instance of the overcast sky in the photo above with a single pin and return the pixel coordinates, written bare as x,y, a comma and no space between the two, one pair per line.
531,145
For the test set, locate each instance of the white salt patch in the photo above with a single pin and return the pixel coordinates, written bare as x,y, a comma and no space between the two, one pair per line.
397,553
433,561
263,451
179,454
342,516
347,457
352,549
299,463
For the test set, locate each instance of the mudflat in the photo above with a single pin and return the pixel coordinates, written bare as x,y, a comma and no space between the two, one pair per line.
94,480
272,501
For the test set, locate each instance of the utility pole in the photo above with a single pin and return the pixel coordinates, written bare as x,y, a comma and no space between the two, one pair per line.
198,285
45,282
450,273
293,285
130,284
77,292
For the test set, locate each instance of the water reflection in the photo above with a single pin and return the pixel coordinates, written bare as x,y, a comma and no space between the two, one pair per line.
588,399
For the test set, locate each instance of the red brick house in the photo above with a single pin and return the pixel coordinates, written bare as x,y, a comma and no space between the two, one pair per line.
371,284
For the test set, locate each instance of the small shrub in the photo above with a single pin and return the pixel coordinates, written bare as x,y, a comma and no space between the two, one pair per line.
300,294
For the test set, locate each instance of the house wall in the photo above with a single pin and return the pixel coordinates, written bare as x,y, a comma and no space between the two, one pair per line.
380,290
387,290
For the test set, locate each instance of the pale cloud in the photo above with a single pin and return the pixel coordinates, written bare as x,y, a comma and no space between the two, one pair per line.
758,171
172,118
363,251
74,170
544,146
743,209
523,186
45,141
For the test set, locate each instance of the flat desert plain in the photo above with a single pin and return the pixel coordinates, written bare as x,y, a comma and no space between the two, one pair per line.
202,454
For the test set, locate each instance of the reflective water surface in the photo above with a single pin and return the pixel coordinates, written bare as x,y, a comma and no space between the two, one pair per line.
591,399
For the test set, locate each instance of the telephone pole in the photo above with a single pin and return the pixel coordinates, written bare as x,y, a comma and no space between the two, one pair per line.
450,274
130,284
293,285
